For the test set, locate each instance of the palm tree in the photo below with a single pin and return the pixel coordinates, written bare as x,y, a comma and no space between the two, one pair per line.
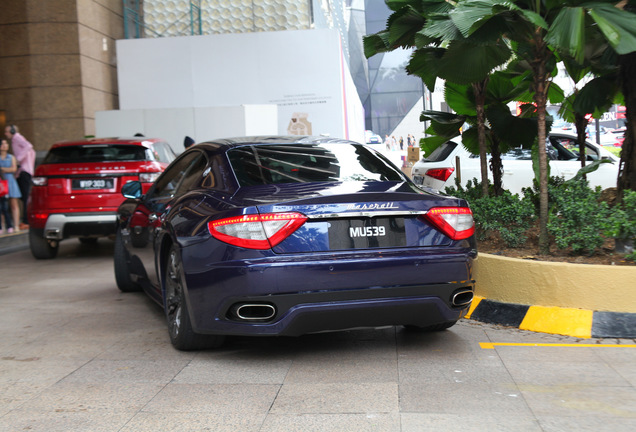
439,48
539,31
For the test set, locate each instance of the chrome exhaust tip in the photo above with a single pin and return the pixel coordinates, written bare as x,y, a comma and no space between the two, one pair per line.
462,298
253,311
53,234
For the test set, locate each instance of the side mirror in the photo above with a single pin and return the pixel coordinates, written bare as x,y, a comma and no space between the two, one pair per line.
132,189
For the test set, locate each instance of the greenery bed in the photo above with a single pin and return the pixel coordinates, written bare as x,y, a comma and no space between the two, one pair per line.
581,219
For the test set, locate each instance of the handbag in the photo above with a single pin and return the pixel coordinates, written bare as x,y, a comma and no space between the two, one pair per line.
4,188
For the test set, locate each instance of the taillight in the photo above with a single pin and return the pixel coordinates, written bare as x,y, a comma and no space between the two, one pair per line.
256,231
38,220
40,181
149,177
440,173
456,222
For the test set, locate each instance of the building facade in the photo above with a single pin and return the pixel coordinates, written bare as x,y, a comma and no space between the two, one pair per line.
58,62
57,66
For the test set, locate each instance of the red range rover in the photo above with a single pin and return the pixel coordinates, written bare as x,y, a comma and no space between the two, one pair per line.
76,188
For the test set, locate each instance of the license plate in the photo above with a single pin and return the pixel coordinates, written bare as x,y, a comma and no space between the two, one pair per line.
88,184
366,233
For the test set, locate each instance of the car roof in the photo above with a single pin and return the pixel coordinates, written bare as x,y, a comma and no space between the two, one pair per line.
274,139
140,141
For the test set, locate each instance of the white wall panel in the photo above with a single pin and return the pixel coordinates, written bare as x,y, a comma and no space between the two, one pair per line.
114,124
299,71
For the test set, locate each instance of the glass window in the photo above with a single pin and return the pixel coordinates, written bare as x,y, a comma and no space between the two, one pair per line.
163,152
95,153
301,163
442,152
167,184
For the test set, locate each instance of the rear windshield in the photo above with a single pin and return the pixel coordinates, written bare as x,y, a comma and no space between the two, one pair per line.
97,153
441,152
301,163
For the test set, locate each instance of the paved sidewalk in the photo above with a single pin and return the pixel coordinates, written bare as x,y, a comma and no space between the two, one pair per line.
78,355
14,242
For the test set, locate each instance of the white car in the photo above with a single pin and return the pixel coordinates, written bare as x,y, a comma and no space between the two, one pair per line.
440,169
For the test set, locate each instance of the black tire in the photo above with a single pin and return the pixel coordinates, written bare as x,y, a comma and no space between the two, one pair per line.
122,267
88,240
41,248
179,325
431,328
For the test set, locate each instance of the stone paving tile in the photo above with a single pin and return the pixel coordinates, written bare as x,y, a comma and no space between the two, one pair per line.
580,401
194,422
64,421
426,371
500,422
627,370
552,354
587,424
211,369
214,399
332,423
127,371
465,398
560,373
73,396
336,398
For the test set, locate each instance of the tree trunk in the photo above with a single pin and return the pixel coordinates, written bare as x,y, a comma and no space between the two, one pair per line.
480,101
627,167
581,123
496,166
541,90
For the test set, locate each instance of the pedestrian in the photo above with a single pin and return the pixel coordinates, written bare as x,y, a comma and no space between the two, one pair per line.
9,203
187,142
387,142
401,143
25,156
409,140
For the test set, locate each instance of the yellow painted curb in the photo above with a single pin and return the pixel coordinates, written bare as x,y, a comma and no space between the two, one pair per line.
578,286
473,305
555,320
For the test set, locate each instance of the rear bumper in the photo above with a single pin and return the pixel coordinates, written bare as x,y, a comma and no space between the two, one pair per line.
326,293
61,226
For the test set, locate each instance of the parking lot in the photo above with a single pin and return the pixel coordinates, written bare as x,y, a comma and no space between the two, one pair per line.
78,355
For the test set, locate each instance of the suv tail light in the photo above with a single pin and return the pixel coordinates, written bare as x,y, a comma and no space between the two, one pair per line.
149,177
440,173
40,181
256,231
455,222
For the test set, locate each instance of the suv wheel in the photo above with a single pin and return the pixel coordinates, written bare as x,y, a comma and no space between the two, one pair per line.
42,248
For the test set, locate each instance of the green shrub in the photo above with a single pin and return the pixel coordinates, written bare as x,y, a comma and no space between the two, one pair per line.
621,222
507,214
577,218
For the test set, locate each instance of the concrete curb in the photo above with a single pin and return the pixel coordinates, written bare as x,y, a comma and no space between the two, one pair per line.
14,242
555,320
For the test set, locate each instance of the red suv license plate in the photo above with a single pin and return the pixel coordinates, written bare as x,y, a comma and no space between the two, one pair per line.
89,184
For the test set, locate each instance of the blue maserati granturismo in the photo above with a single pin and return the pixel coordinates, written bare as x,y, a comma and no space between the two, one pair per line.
288,235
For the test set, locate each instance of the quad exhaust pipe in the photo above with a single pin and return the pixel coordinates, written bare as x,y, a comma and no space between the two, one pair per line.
253,311
462,298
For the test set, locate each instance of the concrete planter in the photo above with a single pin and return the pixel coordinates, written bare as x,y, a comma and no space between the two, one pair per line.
578,300
582,286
